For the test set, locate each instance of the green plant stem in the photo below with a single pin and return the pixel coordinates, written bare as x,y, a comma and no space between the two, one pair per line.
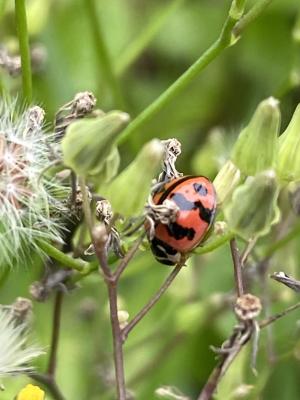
137,46
61,257
223,41
21,22
251,15
103,56
214,244
293,234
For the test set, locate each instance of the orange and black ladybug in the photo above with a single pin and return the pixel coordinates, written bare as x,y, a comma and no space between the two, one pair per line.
196,199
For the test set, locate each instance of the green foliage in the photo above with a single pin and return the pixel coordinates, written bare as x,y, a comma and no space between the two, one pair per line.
171,345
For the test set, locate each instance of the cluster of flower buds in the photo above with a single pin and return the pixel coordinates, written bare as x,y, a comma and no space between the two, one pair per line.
261,163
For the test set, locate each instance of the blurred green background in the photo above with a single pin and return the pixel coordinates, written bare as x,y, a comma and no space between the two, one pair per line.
171,345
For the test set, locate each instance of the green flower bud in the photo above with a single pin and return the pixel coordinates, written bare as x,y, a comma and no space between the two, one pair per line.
110,166
253,208
226,181
88,142
129,191
256,147
288,167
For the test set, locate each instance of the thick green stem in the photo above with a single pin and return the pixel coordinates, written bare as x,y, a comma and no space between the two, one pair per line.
214,244
103,56
224,40
61,257
21,22
183,81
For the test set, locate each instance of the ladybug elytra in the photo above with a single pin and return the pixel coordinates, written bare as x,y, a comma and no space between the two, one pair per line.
195,198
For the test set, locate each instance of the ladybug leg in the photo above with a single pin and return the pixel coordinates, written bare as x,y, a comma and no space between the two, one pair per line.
164,213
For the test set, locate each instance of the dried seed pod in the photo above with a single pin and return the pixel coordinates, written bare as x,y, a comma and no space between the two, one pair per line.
247,307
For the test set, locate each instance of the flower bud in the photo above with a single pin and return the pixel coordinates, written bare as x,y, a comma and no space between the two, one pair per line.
288,167
226,181
256,147
87,143
253,208
129,191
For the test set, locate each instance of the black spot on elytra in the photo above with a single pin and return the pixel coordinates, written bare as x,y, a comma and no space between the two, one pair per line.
180,232
202,190
162,250
206,214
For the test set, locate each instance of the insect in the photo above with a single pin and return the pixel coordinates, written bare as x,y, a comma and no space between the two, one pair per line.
195,198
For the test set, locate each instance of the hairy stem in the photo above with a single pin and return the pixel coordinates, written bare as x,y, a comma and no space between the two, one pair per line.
128,328
103,56
21,22
55,333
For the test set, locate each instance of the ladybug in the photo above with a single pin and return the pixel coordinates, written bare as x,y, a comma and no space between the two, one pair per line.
195,197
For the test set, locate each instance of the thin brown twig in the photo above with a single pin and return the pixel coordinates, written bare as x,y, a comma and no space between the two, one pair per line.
101,253
228,357
128,257
238,276
140,315
269,320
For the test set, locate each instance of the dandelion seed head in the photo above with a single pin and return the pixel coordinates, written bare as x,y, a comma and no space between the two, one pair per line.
27,197
15,352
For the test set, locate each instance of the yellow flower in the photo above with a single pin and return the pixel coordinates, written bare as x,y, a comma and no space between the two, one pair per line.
31,392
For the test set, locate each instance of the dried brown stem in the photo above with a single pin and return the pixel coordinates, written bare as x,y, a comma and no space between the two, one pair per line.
128,257
238,277
236,345
55,333
50,383
269,320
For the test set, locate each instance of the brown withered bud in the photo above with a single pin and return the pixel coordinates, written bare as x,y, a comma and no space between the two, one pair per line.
104,211
82,105
247,307
21,309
